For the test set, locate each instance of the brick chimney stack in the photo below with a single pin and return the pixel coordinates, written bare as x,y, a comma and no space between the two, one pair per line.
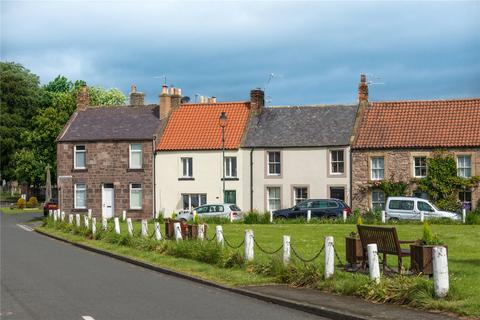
83,98
257,101
176,98
136,98
165,102
363,89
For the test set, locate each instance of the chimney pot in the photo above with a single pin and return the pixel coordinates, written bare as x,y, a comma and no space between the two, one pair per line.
257,101
164,90
363,89
136,98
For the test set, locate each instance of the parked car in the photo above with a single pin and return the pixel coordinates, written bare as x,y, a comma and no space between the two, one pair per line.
221,210
320,208
50,205
409,208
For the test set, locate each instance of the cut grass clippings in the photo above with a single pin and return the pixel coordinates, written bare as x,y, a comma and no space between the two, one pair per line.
228,267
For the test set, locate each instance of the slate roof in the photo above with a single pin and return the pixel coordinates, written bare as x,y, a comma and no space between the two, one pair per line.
305,126
195,126
408,124
113,123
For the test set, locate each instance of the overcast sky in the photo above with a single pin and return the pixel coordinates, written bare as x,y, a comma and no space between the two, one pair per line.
316,50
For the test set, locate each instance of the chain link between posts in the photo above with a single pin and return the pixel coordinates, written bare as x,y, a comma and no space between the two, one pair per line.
266,251
232,246
306,260
338,256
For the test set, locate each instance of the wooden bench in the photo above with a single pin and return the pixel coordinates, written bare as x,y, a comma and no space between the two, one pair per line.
387,243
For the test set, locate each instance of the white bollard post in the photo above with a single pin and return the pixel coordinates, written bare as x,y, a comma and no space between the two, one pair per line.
117,225
329,257
77,219
286,250
104,224
201,232
94,225
86,222
309,215
231,216
62,216
422,216
89,213
178,231
373,264
440,271
144,228
158,234
70,218
383,216
50,213
130,226
464,215
55,216
249,245
124,215
271,216
344,215
219,235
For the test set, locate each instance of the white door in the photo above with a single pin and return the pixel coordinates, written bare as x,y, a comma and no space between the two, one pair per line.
107,202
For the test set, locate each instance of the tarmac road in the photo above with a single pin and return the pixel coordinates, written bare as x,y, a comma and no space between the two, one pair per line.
42,278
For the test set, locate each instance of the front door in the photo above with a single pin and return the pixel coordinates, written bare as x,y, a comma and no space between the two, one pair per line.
108,197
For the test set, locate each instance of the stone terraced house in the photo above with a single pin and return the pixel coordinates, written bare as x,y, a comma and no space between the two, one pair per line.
392,141
105,158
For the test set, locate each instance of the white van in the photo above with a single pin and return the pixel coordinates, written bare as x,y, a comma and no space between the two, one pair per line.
409,208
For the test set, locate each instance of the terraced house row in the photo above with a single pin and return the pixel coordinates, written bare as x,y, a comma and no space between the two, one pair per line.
177,155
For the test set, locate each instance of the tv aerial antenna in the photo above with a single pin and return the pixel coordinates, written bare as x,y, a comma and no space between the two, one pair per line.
271,76
375,81
163,76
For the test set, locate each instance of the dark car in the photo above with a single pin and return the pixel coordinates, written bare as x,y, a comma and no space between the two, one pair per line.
50,205
320,208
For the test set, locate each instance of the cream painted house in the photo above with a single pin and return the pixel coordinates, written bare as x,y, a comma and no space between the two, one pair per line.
296,153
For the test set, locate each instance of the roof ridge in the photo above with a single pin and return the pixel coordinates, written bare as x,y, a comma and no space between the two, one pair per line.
130,106
312,106
423,101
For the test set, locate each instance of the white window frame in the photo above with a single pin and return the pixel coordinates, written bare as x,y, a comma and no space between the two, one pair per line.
420,167
75,151
332,162
377,201
130,156
228,167
279,162
298,200
462,166
279,199
198,195
132,188
378,169
184,161
76,188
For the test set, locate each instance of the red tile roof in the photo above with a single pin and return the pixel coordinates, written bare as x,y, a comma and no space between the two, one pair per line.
196,126
407,124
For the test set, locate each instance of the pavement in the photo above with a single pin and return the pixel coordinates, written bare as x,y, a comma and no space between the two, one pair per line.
89,283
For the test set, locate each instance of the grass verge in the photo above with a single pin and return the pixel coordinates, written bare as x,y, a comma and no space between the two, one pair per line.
19,211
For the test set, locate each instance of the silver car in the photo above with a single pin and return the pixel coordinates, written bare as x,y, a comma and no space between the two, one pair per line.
409,208
221,210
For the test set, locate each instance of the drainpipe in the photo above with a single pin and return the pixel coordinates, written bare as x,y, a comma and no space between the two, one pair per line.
154,174
351,172
251,179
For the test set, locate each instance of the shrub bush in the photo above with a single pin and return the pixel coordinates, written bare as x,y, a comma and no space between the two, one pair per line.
32,202
254,217
20,203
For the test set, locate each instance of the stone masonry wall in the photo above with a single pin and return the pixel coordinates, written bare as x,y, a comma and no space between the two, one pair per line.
107,162
398,167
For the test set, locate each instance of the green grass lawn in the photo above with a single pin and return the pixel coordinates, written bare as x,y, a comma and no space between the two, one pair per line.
462,240
17,211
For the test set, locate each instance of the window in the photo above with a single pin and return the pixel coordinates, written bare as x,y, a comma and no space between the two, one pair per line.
420,194
300,194
80,196
378,200
378,170
273,194
465,198
401,205
192,201
337,193
423,206
187,167
337,162
135,196
80,158
230,167
135,156
274,166
420,167
464,166
230,196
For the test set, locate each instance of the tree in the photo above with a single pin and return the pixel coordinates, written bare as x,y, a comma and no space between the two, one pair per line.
59,84
29,167
106,97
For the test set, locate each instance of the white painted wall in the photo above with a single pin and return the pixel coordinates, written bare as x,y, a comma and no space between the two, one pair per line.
300,166
207,172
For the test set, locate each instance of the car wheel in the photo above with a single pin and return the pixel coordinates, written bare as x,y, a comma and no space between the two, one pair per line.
394,220
281,218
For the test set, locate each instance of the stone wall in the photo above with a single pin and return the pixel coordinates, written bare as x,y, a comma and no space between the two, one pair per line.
398,167
107,162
